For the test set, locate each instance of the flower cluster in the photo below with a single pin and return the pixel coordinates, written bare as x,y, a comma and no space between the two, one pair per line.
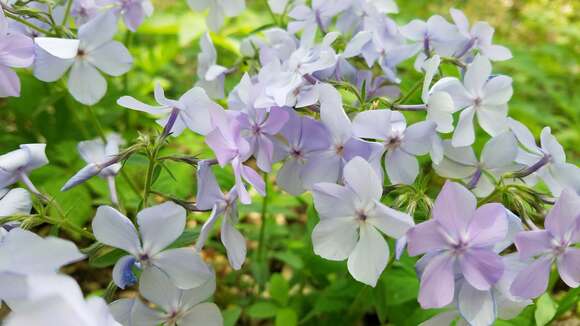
322,109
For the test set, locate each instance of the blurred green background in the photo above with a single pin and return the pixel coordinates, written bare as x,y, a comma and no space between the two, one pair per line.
290,285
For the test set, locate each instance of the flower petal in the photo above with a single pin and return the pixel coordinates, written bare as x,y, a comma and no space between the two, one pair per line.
85,83
184,267
369,257
391,222
531,282
335,238
437,282
464,134
160,225
114,229
112,58
453,208
532,243
475,306
488,226
482,268
235,244
206,314
477,74
362,179
569,267
564,217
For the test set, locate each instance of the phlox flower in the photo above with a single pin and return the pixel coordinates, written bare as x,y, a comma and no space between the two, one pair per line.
173,306
547,161
190,111
133,12
218,10
440,106
399,142
351,217
159,227
555,244
210,197
356,17
458,239
211,75
84,10
16,51
16,165
308,20
94,51
479,37
480,95
15,201
230,147
497,157
58,300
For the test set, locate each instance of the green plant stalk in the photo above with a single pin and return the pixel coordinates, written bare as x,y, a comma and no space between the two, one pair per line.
410,93
65,224
66,12
152,164
263,215
26,23
271,13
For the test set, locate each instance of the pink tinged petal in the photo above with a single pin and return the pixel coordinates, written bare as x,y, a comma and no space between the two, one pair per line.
207,314
112,58
58,47
332,200
134,16
402,168
464,134
417,139
221,147
184,267
426,237
515,226
391,222
493,119
362,179
497,91
369,257
207,227
85,83
98,31
569,267
235,244
208,190
335,238
500,152
482,268
277,118
265,153
374,124
475,306
20,53
488,226
9,82
532,281
114,229
198,107
453,208
255,179
476,75
550,145
160,225
437,282
563,218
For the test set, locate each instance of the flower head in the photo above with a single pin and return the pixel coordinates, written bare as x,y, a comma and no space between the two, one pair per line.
16,51
17,164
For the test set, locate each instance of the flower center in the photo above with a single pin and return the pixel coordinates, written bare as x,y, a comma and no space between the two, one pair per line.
296,153
81,53
459,248
393,142
477,102
339,149
361,215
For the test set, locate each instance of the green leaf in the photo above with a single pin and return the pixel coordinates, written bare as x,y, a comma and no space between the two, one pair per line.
292,259
545,309
279,288
286,317
262,310
231,315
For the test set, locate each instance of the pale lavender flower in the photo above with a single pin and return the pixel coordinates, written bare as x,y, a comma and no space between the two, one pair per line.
305,139
351,217
58,300
133,12
16,51
478,95
439,105
211,75
94,51
230,147
308,20
210,197
480,175
459,239
15,201
555,244
479,37
84,10
401,144
547,161
191,110
356,17
435,35
218,10
173,306
15,165
159,227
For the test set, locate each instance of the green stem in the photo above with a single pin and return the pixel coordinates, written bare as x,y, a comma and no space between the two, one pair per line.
97,123
65,224
110,292
272,13
27,23
410,93
263,214
66,12
130,182
152,164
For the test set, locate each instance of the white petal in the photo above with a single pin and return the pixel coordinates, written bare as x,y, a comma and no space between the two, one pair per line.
114,229
402,168
354,47
500,151
334,238
550,145
58,47
476,75
362,179
391,222
464,134
85,83
49,68
160,225
184,267
235,244
112,58
497,91
134,104
98,31
205,314
156,287
369,257
15,202
493,119
475,306
332,200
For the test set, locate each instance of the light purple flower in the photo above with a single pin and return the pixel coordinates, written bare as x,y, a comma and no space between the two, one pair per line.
547,161
230,147
497,157
16,51
15,201
133,12
400,143
210,197
218,10
190,111
16,165
211,75
357,16
94,51
308,20
555,244
173,306
440,106
306,139
459,239
479,37
478,95
84,10
351,217
159,227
